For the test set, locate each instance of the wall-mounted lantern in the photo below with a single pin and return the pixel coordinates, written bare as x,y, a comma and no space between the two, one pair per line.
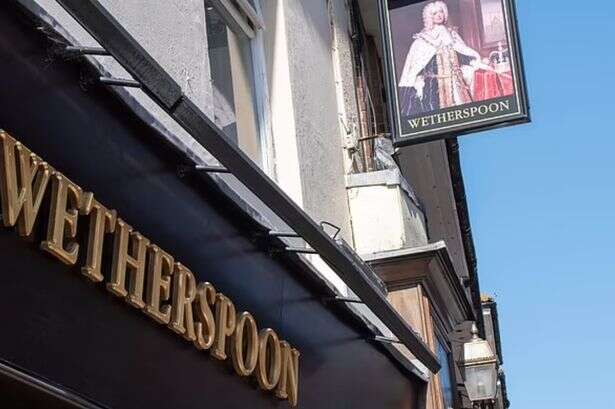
480,370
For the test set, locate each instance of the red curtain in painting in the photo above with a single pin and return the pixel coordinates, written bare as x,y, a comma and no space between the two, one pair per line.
489,84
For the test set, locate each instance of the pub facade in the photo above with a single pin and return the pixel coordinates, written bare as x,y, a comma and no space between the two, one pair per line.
201,206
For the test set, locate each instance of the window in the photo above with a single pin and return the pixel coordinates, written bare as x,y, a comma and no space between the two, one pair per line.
445,375
232,27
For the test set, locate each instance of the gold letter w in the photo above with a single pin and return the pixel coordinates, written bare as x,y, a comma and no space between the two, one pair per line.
21,189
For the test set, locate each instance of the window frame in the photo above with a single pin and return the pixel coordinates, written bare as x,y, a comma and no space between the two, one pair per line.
246,21
440,339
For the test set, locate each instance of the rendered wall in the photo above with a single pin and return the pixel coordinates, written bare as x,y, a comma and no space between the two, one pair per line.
309,150
174,33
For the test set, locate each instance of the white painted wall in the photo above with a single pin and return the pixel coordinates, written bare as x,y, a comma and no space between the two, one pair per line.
308,144
315,117
343,70
174,33
285,150
384,216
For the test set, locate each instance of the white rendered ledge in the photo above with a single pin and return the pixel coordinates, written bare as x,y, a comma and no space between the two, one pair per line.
386,177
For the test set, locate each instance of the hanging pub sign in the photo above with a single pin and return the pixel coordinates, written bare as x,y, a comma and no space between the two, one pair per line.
453,67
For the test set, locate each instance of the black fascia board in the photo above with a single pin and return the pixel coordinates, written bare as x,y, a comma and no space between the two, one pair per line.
465,228
159,86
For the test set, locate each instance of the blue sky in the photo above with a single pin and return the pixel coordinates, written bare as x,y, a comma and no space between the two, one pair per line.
542,203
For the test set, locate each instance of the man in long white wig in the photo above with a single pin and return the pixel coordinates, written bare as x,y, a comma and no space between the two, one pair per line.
439,68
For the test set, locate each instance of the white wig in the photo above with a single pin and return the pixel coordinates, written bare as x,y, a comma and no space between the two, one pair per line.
432,8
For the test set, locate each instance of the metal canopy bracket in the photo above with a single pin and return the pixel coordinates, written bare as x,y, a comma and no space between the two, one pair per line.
298,250
71,49
159,85
349,300
283,234
337,229
120,82
125,49
212,169
387,340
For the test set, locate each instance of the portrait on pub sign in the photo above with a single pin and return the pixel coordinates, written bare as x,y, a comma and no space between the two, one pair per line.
454,67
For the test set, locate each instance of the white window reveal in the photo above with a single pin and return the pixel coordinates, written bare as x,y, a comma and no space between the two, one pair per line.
236,59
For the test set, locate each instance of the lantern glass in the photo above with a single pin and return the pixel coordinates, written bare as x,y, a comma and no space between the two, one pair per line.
481,381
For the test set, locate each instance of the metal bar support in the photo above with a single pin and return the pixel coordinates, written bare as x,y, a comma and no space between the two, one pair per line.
283,234
345,299
72,49
300,250
387,340
120,81
212,169
337,229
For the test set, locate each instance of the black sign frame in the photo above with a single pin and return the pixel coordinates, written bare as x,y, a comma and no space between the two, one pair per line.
521,112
